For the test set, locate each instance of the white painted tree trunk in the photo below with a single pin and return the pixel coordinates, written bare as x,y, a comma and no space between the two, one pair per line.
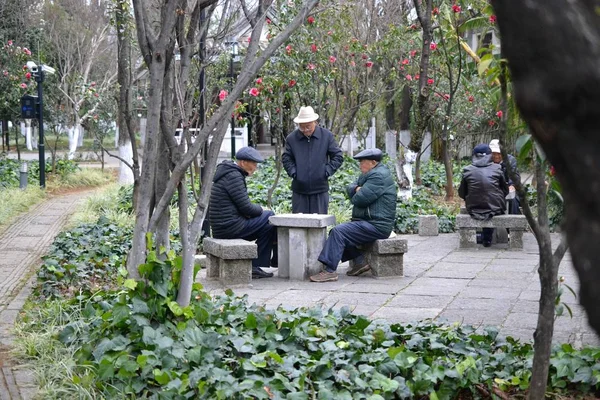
26,131
125,173
73,133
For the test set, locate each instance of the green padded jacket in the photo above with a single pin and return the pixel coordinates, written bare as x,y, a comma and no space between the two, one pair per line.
375,202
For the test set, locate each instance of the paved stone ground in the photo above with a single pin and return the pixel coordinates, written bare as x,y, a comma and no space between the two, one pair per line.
21,246
484,286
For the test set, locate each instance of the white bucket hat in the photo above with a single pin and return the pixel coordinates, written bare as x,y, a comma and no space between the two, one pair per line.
495,146
306,114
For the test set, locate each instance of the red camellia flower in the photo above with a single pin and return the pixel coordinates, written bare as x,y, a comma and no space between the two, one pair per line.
492,19
408,77
27,75
430,81
435,11
311,20
413,26
364,56
311,66
352,63
413,53
23,86
25,67
499,114
288,49
292,82
456,8
491,122
96,95
405,61
268,21
552,170
223,94
5,73
258,81
417,76
471,99
432,45
329,33
93,84
10,42
446,96
313,48
369,64
253,92
332,59
26,51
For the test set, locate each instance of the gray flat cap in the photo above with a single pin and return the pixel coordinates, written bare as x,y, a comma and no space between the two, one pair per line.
249,154
369,154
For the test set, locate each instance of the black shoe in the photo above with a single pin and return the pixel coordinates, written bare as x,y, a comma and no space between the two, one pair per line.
487,244
258,273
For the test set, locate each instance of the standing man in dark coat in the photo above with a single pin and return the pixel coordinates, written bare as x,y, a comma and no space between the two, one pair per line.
484,189
514,203
373,217
234,216
311,156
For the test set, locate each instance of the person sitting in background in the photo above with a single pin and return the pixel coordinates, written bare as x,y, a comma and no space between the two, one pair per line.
373,217
484,189
234,216
514,203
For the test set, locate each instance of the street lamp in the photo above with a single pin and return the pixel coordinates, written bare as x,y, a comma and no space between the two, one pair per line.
39,74
234,52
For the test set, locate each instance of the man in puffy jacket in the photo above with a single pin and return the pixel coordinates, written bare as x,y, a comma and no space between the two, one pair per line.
234,216
484,189
311,156
373,197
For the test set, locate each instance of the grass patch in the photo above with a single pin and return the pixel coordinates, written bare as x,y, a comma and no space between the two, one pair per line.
105,203
15,201
86,177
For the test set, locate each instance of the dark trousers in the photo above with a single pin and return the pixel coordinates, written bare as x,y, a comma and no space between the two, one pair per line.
487,235
310,203
513,206
341,245
265,234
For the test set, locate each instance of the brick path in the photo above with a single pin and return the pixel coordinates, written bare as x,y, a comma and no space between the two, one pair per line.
21,246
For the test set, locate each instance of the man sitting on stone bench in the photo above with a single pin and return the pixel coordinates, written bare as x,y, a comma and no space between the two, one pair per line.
234,216
484,189
373,217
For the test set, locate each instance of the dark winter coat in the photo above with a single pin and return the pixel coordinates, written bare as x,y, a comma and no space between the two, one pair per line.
375,202
483,187
310,161
513,165
230,205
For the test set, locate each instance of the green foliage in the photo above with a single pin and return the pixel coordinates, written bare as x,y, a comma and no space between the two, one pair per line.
85,258
15,201
139,343
423,203
9,171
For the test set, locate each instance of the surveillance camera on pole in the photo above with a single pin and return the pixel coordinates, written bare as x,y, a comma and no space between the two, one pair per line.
38,73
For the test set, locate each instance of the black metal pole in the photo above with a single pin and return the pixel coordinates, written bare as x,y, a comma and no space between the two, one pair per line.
39,77
232,114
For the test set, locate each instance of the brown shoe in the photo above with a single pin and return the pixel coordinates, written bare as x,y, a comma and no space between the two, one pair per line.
324,276
358,270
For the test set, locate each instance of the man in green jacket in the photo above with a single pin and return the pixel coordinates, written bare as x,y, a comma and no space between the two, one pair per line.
373,217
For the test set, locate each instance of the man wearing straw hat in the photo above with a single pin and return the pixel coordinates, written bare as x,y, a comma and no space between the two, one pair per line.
311,156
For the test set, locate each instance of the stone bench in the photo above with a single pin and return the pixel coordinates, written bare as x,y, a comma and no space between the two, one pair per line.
386,257
467,227
229,260
300,239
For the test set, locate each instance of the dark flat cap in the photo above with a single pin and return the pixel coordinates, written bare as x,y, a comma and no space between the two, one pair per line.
369,154
482,149
249,154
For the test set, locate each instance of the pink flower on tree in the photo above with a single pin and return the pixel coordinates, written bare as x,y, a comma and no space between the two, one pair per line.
313,48
26,51
417,76
413,53
499,114
292,83
471,99
5,73
405,61
332,59
311,66
492,19
352,63
268,21
409,77
430,81
25,68
364,56
432,45
435,11
552,170
456,8
253,92
491,122
329,33
223,94
10,42
23,86
93,84
310,20
369,64
96,95
288,49
258,81
27,75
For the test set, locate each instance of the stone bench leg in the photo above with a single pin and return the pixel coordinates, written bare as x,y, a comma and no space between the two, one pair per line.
516,239
298,252
386,265
230,272
468,238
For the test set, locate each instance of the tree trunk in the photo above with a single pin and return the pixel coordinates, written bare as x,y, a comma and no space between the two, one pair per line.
448,168
542,39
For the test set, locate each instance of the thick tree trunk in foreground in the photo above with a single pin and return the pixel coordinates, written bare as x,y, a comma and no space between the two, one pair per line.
553,48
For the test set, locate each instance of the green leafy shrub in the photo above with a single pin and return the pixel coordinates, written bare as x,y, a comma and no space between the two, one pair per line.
139,343
423,203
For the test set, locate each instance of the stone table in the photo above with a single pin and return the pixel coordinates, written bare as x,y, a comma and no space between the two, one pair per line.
300,239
